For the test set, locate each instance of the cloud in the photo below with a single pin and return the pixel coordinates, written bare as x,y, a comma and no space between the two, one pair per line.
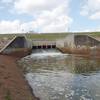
38,6
95,16
7,26
15,26
44,23
48,16
91,9
54,23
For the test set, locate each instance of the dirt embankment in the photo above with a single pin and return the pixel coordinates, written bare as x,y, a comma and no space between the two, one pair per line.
83,52
12,83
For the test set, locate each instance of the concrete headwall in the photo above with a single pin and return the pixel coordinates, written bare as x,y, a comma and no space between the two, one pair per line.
17,46
84,45
60,43
86,40
72,41
69,41
66,42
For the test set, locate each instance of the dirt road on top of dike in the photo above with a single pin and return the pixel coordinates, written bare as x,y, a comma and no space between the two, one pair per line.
13,85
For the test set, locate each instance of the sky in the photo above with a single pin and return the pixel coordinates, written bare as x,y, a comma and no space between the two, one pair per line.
47,16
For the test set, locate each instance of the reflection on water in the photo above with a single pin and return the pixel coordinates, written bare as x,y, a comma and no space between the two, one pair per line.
63,77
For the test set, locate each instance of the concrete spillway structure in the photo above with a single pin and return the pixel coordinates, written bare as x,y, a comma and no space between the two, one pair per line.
43,44
80,44
73,41
21,46
81,40
18,46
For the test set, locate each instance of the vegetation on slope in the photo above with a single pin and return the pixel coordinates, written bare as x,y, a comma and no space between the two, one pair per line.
49,36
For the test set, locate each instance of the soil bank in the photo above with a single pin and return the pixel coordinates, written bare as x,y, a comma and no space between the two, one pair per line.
13,85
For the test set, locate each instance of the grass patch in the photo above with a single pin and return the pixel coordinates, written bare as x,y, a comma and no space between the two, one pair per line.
8,96
95,34
49,36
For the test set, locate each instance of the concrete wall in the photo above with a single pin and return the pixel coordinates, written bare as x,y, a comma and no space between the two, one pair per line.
66,42
69,41
43,42
72,41
60,43
85,40
17,44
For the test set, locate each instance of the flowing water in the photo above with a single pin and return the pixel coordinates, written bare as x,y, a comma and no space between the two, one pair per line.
56,76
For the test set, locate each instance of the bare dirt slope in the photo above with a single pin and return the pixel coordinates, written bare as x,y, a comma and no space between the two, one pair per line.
12,83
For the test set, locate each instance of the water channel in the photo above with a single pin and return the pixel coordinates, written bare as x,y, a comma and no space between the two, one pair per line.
56,76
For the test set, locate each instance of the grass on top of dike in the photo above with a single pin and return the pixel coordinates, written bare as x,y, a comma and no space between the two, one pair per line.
48,36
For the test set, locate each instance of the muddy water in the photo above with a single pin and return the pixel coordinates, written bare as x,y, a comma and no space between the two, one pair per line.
55,76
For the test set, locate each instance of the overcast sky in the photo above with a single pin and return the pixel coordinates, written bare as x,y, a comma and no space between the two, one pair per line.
49,15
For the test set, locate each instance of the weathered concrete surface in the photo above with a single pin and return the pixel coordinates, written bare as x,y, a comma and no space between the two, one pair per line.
81,45
3,42
72,41
16,46
85,40
38,44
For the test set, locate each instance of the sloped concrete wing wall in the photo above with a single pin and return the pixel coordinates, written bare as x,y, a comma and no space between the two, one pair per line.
85,40
17,44
72,41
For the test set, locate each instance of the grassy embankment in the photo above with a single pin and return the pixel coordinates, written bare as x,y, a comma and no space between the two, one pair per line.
50,36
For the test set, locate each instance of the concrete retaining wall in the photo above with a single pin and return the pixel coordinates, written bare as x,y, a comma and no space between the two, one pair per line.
72,41
86,40
84,45
17,46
